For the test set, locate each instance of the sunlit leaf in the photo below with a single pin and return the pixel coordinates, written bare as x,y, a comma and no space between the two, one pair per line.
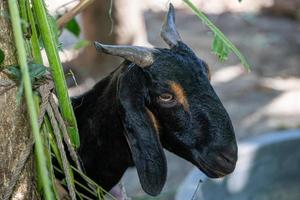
2,56
219,36
81,44
220,48
73,27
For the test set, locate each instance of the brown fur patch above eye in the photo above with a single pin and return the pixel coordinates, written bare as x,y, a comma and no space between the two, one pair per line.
207,70
154,120
180,94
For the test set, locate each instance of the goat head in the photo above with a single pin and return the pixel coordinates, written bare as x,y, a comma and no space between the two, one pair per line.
166,100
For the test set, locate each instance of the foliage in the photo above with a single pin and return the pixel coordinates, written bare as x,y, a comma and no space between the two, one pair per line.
30,70
221,45
36,71
220,49
81,44
73,27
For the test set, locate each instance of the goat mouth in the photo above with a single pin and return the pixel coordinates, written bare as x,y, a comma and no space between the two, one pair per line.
217,170
210,172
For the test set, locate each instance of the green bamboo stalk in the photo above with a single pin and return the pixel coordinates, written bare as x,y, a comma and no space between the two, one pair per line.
219,33
56,70
41,160
45,131
23,14
25,24
35,46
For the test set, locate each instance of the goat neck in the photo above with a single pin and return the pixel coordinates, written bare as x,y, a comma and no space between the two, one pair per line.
104,151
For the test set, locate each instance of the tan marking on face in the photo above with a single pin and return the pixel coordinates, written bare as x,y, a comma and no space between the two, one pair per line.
154,120
180,94
209,73
207,70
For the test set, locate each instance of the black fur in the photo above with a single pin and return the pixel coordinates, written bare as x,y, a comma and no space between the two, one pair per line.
116,130
104,152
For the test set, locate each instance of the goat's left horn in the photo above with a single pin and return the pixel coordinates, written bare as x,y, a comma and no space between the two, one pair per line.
168,30
141,56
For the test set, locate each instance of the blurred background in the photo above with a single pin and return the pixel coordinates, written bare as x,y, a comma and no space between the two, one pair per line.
267,33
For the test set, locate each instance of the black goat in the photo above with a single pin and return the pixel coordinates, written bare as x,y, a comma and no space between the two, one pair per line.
156,98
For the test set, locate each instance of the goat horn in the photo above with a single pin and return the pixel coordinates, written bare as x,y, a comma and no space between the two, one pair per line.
168,31
141,56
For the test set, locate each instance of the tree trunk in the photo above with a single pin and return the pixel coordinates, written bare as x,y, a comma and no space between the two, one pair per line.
290,8
126,27
14,126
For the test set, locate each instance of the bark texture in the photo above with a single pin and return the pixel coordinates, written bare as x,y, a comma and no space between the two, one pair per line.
14,127
126,27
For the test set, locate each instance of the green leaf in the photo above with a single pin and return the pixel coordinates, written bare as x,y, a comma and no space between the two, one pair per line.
2,56
36,71
220,36
81,44
73,27
220,48
13,72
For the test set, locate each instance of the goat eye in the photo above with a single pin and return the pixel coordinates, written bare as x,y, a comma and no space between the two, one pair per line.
166,97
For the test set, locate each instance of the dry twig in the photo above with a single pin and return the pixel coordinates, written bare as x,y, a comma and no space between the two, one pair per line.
63,20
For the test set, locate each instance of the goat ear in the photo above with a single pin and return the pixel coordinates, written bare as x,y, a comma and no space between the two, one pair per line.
140,132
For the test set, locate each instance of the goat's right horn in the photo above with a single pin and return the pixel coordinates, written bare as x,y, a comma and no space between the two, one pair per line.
168,30
141,56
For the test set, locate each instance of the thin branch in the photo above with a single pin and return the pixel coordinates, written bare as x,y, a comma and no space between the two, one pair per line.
63,20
